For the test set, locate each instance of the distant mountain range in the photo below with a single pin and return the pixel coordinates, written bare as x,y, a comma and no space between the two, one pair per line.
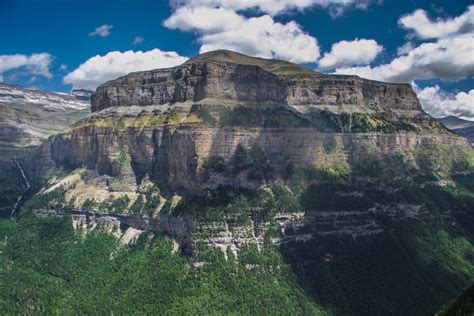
462,127
27,117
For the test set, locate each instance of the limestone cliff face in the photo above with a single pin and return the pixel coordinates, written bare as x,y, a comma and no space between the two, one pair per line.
173,121
196,81
174,158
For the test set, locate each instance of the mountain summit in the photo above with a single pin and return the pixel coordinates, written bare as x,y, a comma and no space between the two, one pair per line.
272,65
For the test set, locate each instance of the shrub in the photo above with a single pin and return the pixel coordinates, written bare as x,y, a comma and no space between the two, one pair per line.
125,160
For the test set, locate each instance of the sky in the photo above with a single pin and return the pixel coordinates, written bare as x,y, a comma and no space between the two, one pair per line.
59,45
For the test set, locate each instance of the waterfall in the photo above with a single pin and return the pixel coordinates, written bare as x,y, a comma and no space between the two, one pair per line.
27,188
22,174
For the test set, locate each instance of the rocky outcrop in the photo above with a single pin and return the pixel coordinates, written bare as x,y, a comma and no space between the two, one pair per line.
171,121
232,152
182,128
176,228
174,158
226,80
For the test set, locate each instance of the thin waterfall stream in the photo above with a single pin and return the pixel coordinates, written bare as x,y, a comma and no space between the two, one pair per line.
14,210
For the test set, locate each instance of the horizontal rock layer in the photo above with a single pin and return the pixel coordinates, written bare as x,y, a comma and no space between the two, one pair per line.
249,83
173,157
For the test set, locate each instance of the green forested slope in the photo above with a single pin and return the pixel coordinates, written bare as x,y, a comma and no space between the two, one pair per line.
46,268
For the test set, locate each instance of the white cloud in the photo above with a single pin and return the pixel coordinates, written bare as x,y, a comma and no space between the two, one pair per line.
102,31
449,58
204,20
34,64
351,53
220,28
440,103
424,28
405,49
99,69
137,40
274,7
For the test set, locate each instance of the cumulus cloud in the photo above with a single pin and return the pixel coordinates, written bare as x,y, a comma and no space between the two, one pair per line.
351,53
423,27
220,28
99,69
274,7
137,40
34,64
405,49
449,58
440,103
102,31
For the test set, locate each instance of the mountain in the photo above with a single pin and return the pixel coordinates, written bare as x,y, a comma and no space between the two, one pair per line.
27,117
82,94
453,122
273,188
467,132
462,127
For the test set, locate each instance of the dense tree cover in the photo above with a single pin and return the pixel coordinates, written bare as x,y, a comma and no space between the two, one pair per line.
412,270
45,267
463,305
414,267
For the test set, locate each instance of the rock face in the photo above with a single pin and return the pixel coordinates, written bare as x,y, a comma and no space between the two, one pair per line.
172,121
224,79
174,158
28,117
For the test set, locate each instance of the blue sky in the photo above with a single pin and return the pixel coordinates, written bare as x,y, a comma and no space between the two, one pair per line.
51,44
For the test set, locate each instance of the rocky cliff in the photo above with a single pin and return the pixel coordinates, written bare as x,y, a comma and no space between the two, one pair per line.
174,122
253,81
228,120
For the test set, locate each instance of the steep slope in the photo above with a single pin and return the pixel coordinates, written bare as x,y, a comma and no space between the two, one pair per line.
27,117
228,151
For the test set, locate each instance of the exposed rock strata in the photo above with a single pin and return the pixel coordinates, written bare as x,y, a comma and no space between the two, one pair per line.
251,84
173,157
171,122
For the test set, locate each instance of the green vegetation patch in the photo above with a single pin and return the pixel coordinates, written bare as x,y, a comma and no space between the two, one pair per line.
125,160
46,268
